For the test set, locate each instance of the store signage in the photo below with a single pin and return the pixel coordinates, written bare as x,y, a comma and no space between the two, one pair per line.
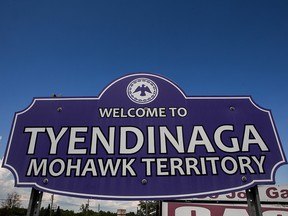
267,193
140,138
189,209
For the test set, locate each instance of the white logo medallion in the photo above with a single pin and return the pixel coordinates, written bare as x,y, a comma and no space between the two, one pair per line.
142,91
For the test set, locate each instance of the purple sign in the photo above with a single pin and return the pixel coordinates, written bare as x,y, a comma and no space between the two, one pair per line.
143,138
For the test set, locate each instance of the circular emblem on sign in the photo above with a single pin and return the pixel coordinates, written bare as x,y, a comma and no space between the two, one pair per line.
142,90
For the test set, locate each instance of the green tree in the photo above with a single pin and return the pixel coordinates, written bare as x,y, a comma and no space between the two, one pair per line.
84,207
150,206
12,201
67,213
45,211
108,213
58,212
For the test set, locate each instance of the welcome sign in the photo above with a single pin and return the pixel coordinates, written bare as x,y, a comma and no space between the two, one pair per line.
143,138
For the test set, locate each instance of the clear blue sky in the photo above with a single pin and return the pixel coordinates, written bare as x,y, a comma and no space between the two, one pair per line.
76,48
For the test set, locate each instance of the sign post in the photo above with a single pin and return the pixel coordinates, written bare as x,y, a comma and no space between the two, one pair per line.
35,202
141,135
253,201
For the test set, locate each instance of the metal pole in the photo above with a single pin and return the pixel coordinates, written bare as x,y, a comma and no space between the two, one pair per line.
35,202
87,209
51,207
160,208
253,200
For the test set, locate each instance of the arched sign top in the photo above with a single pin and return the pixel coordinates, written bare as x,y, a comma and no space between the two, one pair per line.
142,89
138,138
